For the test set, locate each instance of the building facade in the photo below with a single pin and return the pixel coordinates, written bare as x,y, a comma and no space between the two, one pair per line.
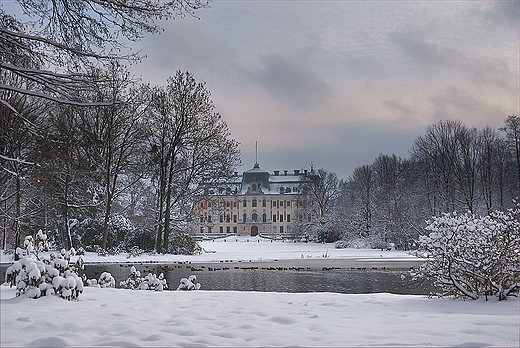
255,203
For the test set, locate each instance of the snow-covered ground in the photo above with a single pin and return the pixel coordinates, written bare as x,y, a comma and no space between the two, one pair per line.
253,249
118,317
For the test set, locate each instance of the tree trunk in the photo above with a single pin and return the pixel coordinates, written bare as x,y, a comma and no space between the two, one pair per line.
68,239
17,216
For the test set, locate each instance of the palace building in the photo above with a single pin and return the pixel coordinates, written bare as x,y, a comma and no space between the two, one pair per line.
254,203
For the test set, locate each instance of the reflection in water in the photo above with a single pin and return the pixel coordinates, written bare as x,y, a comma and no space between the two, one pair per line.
275,280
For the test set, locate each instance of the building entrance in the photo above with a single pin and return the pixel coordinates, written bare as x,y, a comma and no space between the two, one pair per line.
254,231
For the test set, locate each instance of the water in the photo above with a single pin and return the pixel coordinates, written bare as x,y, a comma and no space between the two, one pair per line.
279,277
283,276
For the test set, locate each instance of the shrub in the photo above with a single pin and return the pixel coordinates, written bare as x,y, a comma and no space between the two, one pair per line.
183,244
469,256
36,278
150,282
189,283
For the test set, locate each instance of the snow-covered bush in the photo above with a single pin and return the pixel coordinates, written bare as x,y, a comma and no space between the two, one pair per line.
150,282
133,280
106,280
471,256
189,283
135,251
183,244
36,278
341,244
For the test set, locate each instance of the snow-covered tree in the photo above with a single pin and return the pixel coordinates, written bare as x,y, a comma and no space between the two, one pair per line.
472,256
36,278
319,214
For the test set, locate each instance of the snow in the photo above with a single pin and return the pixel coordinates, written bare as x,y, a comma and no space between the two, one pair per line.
121,317
244,248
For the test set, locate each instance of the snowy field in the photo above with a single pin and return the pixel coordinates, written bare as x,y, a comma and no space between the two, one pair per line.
253,249
126,318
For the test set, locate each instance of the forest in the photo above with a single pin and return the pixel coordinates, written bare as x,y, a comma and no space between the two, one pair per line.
453,167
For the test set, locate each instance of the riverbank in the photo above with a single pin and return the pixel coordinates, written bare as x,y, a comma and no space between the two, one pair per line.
254,249
119,317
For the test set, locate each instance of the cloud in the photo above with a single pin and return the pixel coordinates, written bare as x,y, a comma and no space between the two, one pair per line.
406,111
457,103
432,56
292,81
504,13
187,44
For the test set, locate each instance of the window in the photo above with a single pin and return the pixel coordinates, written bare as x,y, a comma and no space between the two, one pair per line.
209,204
281,229
234,204
264,217
209,218
228,204
253,203
235,230
264,202
274,203
254,217
221,218
234,218
209,229
227,229
253,187
244,203
201,230
202,219
274,218
221,229
244,217
228,218
288,203
288,217
281,218
202,204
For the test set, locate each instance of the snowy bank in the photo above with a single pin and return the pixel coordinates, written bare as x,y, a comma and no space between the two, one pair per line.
120,317
252,249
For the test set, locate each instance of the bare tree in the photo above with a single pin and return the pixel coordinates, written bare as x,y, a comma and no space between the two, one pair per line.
321,189
512,130
189,149
74,34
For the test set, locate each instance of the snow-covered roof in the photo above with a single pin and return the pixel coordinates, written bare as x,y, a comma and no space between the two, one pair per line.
266,183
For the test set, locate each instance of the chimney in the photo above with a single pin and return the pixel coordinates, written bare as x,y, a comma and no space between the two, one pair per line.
285,172
276,172
305,171
296,172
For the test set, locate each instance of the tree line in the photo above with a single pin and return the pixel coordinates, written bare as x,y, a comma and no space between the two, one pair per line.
88,153
452,167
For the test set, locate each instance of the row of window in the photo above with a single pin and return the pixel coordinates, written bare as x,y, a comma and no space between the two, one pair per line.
228,229
254,218
254,204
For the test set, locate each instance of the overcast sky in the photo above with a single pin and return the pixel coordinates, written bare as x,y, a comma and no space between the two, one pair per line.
336,83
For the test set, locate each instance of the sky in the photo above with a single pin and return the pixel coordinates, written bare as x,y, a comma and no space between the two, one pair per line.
336,83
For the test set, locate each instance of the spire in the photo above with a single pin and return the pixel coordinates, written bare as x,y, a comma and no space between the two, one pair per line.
256,155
